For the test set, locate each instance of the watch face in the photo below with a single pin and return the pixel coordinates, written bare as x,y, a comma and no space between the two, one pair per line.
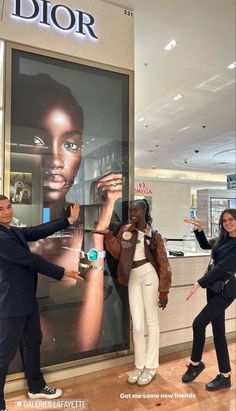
92,255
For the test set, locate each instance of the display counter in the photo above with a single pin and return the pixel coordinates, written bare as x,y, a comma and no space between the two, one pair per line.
189,254
176,320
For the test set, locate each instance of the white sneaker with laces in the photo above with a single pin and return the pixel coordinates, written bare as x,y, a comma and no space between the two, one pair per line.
146,377
134,375
46,392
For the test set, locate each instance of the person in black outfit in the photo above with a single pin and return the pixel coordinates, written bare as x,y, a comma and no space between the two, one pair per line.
19,314
224,260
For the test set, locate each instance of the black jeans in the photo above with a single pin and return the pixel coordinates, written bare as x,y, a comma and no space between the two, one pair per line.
213,312
12,332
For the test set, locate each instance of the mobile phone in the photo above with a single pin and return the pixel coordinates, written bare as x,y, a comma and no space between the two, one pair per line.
192,214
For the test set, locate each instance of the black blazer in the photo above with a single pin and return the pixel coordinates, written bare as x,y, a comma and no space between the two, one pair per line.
19,266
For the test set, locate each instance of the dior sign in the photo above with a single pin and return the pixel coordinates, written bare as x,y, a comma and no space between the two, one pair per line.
58,15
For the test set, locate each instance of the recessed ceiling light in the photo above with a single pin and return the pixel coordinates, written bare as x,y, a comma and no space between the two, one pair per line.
183,128
178,97
171,45
140,119
232,65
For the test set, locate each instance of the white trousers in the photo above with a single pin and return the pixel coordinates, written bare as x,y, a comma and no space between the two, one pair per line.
143,300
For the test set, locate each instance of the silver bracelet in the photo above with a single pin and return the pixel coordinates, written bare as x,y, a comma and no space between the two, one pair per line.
93,267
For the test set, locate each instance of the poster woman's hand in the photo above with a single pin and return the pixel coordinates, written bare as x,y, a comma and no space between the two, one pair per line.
111,184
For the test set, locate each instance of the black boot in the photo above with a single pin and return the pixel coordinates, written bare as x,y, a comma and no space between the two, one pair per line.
219,382
193,371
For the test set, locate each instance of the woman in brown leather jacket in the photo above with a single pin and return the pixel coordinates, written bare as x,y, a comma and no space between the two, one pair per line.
145,272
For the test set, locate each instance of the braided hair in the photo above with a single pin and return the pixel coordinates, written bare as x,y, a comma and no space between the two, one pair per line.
145,205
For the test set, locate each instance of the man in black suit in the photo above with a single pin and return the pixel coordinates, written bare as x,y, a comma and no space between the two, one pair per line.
19,314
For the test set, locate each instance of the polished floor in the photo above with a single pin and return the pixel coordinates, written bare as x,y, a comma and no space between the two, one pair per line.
108,390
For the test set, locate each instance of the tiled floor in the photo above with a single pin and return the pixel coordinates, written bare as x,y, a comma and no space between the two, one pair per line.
108,390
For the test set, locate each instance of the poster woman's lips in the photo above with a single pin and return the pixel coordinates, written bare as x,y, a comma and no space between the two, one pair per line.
56,181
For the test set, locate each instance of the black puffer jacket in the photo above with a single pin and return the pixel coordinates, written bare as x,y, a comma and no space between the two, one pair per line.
224,258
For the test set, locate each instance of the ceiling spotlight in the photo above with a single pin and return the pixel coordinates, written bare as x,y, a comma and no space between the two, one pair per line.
196,151
178,97
183,128
171,45
140,119
232,65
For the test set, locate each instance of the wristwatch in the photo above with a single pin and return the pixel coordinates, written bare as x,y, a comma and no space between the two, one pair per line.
93,255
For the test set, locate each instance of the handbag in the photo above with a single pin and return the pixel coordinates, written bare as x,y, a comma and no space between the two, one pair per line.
225,287
229,290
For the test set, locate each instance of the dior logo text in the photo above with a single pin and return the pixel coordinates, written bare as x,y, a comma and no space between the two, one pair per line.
58,15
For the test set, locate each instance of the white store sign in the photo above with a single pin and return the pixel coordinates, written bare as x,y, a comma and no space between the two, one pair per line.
62,17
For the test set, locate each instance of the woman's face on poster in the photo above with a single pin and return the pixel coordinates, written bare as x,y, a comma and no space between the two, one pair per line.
63,137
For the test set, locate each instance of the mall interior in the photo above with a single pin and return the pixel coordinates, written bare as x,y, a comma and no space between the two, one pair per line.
148,89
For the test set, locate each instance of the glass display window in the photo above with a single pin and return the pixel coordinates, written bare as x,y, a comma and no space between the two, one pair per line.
69,139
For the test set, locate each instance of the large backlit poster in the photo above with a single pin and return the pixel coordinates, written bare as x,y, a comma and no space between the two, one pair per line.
70,131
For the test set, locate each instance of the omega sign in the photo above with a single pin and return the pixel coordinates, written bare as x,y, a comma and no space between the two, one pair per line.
142,189
58,15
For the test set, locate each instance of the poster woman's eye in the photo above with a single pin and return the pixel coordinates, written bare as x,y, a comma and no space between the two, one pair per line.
73,146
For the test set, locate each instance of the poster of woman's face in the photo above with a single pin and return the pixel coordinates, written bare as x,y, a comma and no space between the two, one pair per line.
70,134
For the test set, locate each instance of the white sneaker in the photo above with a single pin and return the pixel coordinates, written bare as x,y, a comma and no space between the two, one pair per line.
134,375
146,377
46,392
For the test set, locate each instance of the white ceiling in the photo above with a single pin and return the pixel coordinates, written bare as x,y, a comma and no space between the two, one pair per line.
204,119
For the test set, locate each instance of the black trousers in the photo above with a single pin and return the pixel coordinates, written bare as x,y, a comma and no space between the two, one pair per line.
26,330
214,313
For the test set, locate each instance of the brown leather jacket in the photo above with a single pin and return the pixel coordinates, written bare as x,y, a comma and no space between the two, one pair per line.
122,248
